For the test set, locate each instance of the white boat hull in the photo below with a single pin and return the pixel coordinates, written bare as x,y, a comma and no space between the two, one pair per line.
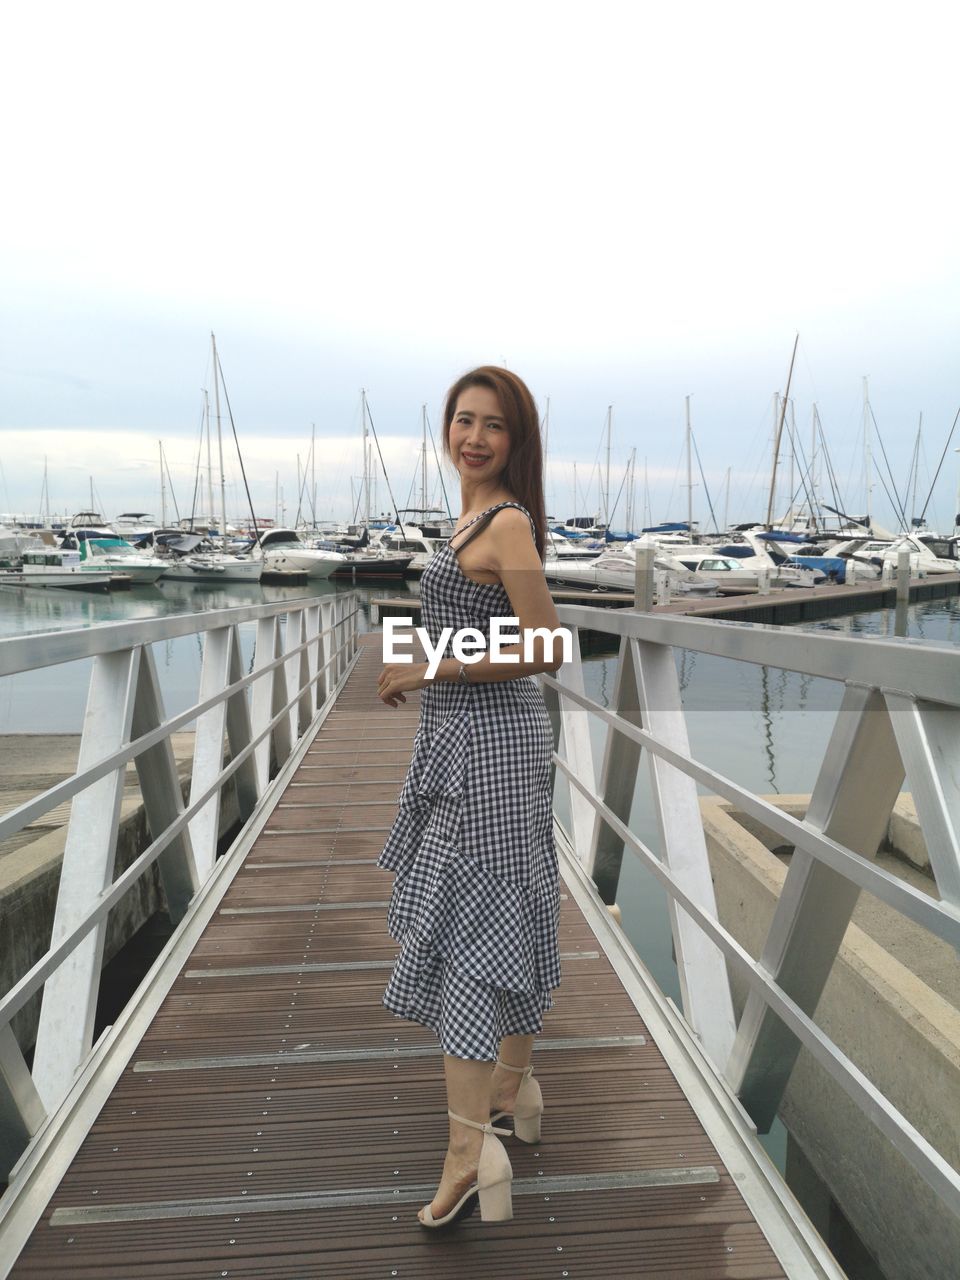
315,564
203,569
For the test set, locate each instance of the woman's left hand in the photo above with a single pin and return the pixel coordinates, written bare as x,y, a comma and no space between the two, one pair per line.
399,677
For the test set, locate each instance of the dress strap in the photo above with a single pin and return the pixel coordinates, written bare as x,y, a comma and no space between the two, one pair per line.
487,516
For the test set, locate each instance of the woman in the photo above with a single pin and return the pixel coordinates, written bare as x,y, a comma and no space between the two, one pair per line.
476,900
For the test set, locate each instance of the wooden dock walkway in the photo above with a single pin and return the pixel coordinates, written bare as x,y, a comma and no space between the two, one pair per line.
277,1121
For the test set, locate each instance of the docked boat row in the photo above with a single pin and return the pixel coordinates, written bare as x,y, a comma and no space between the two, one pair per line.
96,556
91,553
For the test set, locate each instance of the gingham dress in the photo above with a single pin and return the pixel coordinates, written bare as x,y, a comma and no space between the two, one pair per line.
475,901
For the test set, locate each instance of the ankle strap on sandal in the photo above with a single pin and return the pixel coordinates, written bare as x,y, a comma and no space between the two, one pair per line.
522,1070
487,1128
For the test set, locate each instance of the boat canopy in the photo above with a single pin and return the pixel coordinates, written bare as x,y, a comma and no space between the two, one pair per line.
772,536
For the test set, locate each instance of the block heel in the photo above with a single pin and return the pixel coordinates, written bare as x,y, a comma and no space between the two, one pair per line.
528,1108
493,1187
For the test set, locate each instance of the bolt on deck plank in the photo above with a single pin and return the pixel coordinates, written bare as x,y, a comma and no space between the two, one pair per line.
277,1121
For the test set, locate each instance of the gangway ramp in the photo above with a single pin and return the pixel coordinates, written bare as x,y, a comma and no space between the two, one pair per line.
271,1118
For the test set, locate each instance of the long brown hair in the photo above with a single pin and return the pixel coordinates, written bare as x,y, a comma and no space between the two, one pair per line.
523,474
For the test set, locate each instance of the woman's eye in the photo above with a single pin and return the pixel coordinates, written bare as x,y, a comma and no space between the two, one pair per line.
495,426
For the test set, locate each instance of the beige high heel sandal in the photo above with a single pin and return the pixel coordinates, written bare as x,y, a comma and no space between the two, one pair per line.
493,1184
528,1108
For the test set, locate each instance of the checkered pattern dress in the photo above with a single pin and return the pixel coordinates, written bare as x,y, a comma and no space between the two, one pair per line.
475,901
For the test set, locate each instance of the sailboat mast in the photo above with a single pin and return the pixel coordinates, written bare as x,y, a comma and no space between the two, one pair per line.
778,434
689,476
366,472
867,460
546,444
814,505
206,420
793,461
631,490
916,469
163,490
223,478
726,503
313,471
606,490
423,462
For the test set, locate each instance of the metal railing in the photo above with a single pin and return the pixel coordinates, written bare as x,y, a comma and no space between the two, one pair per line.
899,719
296,672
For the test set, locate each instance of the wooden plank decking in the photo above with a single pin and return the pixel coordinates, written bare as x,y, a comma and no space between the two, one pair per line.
276,1121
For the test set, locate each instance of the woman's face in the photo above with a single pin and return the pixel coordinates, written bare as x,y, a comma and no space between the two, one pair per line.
479,439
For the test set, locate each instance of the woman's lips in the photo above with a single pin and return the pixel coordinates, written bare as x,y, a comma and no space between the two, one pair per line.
475,459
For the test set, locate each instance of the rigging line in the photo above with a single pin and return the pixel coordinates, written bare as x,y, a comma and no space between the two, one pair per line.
914,473
196,475
838,499
798,449
383,466
704,479
890,498
443,487
899,505
303,485
940,465
243,470
616,503
673,487
173,495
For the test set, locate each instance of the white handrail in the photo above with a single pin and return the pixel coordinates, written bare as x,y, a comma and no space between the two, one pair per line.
900,717
306,675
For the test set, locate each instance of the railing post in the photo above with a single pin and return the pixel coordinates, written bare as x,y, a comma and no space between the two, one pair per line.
852,800
291,668
282,736
208,748
162,793
240,735
262,699
325,648
701,966
618,779
65,1031
21,1109
928,737
571,724
339,639
312,623
305,705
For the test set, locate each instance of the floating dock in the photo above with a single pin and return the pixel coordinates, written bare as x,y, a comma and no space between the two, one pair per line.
782,607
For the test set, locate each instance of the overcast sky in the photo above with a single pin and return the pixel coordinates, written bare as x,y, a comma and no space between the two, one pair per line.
625,203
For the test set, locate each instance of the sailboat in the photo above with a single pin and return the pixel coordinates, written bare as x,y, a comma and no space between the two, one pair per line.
207,563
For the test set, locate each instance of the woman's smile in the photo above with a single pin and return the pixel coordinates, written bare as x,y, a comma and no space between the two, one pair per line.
475,459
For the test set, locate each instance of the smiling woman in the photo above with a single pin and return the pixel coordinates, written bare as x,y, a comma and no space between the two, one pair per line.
475,901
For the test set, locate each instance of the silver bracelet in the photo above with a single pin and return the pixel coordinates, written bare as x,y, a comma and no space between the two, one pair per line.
462,674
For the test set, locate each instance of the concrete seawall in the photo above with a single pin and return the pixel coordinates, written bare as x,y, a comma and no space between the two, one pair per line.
896,1018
